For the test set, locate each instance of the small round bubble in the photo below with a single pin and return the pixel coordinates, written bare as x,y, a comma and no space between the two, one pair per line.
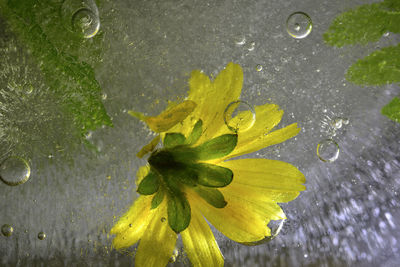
14,171
239,116
85,22
163,219
299,25
7,230
328,150
259,67
41,235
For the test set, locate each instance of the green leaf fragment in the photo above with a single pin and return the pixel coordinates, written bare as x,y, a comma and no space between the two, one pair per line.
157,199
178,212
213,196
39,27
392,110
362,25
196,133
379,68
217,147
210,175
149,185
173,139
149,147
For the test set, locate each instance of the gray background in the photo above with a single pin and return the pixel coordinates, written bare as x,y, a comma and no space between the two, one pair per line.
349,214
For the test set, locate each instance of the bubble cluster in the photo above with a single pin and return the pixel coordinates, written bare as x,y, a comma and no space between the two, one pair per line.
239,116
14,171
299,25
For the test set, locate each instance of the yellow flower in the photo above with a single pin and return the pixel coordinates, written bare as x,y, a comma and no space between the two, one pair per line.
191,178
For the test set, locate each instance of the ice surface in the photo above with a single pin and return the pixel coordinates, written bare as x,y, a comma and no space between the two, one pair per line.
347,216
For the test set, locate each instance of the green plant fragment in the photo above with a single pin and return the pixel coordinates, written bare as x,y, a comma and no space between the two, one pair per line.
196,133
392,110
210,175
178,211
213,196
38,26
149,147
362,25
379,68
174,139
157,199
217,147
149,185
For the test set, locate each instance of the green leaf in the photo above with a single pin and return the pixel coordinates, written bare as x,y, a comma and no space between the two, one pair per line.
178,212
38,26
217,147
149,185
213,196
173,139
212,175
379,68
364,24
149,147
157,199
392,110
196,133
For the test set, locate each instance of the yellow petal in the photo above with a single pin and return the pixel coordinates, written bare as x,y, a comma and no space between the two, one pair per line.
131,226
266,174
251,145
158,241
237,220
212,98
200,244
149,147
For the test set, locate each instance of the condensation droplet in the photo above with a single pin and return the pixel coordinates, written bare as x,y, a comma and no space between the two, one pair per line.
328,150
239,116
85,22
14,171
299,25
251,46
259,67
163,219
7,230
175,254
41,236
240,41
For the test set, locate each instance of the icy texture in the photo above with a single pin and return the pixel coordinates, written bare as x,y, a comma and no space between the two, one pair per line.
349,213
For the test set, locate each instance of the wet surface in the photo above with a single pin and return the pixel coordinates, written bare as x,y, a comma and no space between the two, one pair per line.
349,214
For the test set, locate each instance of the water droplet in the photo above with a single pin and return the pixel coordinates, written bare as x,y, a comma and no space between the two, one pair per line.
240,40
130,225
337,123
104,96
328,150
299,25
85,22
175,254
239,116
163,219
259,67
14,171
386,34
275,226
7,230
251,46
41,236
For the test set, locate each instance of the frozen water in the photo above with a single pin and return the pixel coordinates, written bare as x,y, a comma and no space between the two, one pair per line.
348,215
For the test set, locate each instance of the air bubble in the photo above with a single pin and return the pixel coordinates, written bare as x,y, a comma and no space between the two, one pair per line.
41,236
14,171
239,116
240,41
299,25
328,150
163,219
7,230
275,226
85,22
259,67
175,254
